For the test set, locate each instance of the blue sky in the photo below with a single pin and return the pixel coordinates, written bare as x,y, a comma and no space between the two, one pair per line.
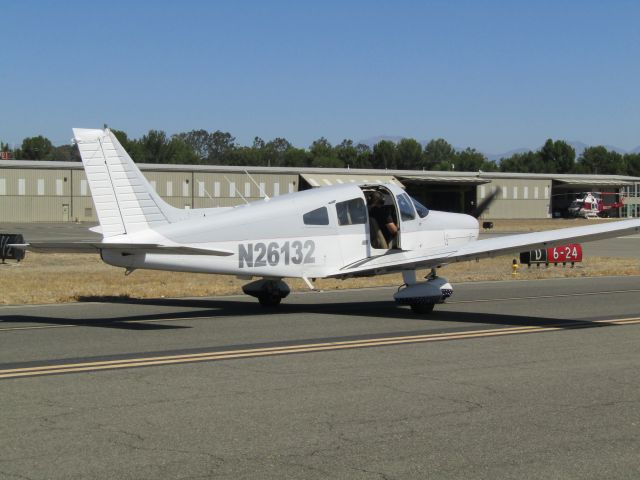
487,74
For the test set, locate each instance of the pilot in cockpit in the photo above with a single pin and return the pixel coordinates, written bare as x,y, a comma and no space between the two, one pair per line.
382,220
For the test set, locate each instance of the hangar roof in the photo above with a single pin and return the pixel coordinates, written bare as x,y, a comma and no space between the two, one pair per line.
595,180
444,179
437,176
325,179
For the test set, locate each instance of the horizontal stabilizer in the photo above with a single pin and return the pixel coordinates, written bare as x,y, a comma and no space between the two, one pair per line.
96,247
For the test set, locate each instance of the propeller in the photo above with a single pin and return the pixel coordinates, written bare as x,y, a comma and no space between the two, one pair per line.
484,204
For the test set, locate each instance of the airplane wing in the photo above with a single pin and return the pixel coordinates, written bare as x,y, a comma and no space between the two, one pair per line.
486,248
96,247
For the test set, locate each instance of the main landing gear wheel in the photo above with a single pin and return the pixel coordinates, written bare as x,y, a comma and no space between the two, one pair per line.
422,308
269,292
269,301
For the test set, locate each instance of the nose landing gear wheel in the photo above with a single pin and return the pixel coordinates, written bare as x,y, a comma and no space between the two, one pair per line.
422,308
269,300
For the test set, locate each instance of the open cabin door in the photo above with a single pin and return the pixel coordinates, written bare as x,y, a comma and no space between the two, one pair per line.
388,204
409,222
352,229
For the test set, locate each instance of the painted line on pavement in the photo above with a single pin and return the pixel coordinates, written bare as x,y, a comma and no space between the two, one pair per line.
301,348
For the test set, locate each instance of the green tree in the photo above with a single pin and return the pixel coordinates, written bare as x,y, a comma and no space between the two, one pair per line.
35,148
632,160
470,160
384,155
558,156
347,153
322,154
181,153
198,140
158,148
321,148
275,151
365,156
526,162
221,147
296,157
64,153
132,147
438,155
408,154
599,160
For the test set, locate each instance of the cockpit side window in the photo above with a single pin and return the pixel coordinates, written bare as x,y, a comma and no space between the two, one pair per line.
351,212
406,209
319,216
421,209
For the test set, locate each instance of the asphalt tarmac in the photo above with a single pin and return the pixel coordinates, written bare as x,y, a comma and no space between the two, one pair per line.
526,379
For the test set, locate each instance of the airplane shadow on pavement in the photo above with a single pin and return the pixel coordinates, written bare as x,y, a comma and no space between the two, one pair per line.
216,308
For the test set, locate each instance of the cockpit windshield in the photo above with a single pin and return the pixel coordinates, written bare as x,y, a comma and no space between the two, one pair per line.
421,209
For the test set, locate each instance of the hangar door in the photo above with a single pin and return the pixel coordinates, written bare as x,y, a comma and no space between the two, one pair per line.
446,193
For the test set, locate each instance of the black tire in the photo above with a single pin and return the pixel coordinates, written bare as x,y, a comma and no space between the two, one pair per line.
422,308
269,300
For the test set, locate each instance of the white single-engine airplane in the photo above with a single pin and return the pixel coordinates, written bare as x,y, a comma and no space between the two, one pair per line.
320,233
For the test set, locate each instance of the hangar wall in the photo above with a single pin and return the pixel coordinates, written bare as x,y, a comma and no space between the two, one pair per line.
517,198
32,194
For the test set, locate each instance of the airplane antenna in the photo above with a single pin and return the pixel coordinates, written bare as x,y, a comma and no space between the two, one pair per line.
238,191
260,189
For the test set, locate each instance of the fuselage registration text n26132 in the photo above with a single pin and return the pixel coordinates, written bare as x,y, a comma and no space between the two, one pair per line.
261,254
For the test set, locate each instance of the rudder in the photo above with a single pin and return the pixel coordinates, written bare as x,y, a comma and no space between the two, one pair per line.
125,201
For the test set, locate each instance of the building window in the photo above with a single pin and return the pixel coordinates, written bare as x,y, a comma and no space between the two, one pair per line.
546,193
481,191
185,188
263,191
247,189
169,188
3,186
525,193
276,189
504,192
59,187
536,193
153,185
292,187
216,189
201,189
515,193
83,187
21,186
41,186
232,189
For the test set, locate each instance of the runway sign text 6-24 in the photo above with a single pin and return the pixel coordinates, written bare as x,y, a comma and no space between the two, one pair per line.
571,252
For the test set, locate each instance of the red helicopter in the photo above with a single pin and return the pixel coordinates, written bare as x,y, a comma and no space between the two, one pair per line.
596,204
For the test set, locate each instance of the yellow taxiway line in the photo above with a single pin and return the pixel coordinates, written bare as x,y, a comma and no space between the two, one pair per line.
301,348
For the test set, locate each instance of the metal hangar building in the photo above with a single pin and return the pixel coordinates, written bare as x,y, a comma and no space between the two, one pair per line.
42,191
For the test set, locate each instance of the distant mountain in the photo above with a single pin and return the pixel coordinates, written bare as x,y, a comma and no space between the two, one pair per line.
578,147
495,157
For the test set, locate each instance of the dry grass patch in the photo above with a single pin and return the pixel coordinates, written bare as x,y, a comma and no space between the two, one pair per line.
540,224
56,278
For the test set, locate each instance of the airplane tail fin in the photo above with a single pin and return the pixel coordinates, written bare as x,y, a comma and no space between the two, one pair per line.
125,201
